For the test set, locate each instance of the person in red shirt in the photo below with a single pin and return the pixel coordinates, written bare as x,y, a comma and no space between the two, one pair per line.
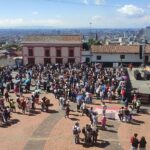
134,142
23,105
123,93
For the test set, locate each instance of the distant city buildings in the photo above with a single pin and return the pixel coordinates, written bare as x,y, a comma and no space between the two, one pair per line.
147,34
109,46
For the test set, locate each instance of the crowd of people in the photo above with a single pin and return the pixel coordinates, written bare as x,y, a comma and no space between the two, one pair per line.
70,82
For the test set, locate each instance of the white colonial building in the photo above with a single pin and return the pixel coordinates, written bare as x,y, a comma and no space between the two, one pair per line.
52,49
113,55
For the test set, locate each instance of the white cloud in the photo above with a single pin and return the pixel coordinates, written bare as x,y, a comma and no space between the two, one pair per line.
148,6
85,2
97,18
131,10
99,2
23,22
11,22
47,22
120,22
35,13
144,20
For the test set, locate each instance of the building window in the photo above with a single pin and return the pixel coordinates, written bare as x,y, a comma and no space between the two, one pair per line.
71,60
59,60
99,57
58,52
31,61
87,60
71,52
30,51
47,52
122,56
47,61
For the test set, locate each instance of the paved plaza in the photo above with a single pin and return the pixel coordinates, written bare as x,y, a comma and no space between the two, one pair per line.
143,86
46,131
51,130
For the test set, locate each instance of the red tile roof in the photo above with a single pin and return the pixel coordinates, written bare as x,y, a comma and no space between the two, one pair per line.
147,49
53,39
118,49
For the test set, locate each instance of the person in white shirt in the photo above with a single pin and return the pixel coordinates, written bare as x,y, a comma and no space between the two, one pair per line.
76,133
104,109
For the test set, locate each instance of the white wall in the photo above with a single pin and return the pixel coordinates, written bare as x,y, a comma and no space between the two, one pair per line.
116,58
84,55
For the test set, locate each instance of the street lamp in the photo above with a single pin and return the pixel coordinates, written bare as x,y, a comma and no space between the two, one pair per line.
90,28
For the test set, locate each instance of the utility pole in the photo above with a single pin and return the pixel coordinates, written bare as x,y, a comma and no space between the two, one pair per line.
143,51
90,29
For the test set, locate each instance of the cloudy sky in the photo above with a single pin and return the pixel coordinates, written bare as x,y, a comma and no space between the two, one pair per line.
75,13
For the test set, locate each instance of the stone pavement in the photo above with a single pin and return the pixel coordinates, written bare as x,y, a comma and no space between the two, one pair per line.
47,131
20,131
57,130
41,134
142,85
61,137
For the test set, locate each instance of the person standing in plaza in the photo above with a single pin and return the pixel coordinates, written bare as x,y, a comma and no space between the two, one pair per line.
121,113
95,134
76,133
103,122
134,142
67,110
23,105
104,107
138,104
142,143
